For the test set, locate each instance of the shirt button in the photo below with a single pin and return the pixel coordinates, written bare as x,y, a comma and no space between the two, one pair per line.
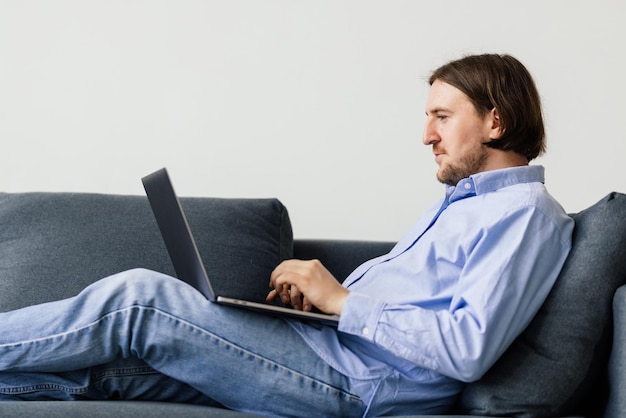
365,331
467,186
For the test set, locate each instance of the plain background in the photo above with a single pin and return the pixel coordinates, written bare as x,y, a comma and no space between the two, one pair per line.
317,103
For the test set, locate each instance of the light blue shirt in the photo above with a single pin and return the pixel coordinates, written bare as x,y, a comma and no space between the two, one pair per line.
451,296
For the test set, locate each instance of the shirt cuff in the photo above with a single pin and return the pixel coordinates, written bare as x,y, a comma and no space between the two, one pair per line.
360,315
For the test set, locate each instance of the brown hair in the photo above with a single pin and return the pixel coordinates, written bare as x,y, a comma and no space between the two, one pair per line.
501,82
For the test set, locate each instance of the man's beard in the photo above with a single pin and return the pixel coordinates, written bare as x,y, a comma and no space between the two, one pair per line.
471,163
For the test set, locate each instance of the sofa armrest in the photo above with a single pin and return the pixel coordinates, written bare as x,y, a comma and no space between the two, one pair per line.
340,257
617,362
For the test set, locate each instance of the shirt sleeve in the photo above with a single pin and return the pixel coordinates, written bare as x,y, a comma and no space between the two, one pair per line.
507,274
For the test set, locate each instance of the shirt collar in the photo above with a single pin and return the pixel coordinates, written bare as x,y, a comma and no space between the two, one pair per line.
489,181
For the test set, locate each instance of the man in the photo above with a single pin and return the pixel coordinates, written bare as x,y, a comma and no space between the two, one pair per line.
416,323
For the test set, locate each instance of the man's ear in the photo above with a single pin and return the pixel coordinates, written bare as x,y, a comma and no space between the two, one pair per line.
497,128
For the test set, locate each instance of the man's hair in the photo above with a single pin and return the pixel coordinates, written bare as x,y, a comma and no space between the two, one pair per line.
501,82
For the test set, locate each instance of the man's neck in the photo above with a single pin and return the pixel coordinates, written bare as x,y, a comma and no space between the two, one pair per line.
504,159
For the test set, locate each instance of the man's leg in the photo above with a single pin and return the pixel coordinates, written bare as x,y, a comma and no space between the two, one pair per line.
244,360
124,379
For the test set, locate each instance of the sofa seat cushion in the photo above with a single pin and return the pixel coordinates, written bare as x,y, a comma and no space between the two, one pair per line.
557,361
52,245
118,409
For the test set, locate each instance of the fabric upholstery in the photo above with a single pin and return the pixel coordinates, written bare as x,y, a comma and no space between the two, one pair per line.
561,356
107,409
616,406
52,245
340,257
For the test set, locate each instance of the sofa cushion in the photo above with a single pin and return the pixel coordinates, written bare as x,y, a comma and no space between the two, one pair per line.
118,409
562,354
616,405
52,245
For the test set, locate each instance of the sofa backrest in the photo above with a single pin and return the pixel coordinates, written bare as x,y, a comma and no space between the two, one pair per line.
52,245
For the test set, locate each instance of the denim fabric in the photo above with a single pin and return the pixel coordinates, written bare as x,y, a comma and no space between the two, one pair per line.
123,379
111,339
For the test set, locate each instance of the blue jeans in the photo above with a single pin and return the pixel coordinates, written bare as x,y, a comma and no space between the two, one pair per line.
144,335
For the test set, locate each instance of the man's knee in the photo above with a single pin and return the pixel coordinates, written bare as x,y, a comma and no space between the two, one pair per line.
137,284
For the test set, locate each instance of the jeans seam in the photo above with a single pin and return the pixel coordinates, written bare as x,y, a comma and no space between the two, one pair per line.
125,371
43,387
95,322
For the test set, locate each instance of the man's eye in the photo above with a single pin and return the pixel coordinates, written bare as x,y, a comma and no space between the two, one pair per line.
442,117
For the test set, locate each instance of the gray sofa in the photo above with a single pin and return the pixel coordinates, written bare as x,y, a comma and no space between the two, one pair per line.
570,361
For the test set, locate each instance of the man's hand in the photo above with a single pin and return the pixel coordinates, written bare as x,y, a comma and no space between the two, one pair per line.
304,284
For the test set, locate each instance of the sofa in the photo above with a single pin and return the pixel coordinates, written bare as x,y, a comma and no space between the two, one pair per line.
570,361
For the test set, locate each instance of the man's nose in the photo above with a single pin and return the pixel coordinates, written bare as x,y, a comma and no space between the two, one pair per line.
430,136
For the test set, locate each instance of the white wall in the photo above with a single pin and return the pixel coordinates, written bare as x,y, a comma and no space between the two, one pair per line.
318,103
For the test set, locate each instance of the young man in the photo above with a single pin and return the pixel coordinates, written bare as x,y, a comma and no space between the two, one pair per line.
435,312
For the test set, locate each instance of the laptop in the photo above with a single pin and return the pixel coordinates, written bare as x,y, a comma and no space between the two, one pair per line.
186,258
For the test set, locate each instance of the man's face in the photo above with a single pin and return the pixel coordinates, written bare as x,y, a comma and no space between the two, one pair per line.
457,133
